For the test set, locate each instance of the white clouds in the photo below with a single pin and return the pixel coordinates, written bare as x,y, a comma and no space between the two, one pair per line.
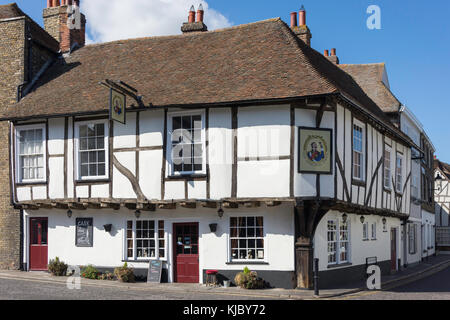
110,20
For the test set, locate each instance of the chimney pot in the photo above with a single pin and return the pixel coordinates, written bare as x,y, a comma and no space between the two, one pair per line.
200,13
191,18
333,51
293,19
55,3
49,3
302,16
325,53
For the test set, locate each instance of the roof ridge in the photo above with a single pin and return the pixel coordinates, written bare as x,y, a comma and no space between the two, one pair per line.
175,36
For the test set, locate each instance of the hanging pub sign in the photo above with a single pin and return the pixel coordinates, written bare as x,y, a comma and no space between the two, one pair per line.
84,232
117,108
315,150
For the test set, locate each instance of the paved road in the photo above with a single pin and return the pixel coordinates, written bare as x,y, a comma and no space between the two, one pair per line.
41,290
435,287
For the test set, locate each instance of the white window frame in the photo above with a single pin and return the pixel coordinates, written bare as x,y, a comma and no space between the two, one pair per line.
17,156
373,231
365,231
170,117
412,238
362,152
338,223
264,238
156,234
78,124
387,169
397,176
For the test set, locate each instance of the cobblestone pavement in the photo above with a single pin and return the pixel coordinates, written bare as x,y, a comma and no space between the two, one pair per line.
13,289
435,287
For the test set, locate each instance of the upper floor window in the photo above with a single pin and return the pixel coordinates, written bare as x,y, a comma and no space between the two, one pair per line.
366,231
31,165
387,167
92,150
415,186
187,144
358,151
398,173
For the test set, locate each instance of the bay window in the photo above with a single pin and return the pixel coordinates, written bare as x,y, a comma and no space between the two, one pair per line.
145,240
338,242
358,152
31,163
92,150
247,238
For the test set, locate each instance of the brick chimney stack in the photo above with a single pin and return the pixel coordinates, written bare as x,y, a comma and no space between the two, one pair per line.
64,22
333,57
302,30
195,25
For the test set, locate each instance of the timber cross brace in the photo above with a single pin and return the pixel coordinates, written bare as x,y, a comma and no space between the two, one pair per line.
307,217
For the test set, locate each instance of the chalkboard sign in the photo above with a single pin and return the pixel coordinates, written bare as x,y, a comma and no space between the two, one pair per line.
154,271
84,232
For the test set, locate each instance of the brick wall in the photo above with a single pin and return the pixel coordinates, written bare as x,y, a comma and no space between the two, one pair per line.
12,71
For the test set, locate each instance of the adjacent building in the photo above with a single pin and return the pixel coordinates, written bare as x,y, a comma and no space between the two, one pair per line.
237,147
442,199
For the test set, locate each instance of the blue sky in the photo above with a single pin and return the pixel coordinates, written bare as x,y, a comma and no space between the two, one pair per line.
414,42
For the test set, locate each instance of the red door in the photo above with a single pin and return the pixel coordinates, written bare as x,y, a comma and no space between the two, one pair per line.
186,268
38,244
393,249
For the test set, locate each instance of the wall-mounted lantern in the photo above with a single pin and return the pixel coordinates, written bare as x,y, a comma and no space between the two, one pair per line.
220,212
344,218
137,214
362,219
108,227
213,227
69,213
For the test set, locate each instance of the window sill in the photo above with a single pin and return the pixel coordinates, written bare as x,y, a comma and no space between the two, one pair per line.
373,239
89,181
144,260
187,177
365,239
31,183
360,183
247,263
332,266
388,190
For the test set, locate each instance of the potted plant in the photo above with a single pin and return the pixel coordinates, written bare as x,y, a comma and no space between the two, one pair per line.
57,268
124,273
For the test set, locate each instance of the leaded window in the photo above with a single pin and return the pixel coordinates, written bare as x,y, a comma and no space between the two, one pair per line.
247,238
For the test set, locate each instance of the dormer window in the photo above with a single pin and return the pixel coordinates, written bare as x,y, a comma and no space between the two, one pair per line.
31,152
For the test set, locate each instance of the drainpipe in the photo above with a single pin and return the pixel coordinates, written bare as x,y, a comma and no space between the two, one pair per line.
22,234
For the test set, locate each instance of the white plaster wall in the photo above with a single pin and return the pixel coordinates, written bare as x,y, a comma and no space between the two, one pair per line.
100,191
125,134
121,185
220,152
213,247
150,163
23,193
359,249
39,193
151,127
56,136
174,190
56,181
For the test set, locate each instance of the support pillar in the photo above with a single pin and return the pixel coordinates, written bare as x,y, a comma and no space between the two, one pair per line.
304,264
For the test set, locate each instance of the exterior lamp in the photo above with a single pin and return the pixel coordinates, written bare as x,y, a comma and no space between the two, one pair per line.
362,219
344,218
220,211
69,213
384,221
137,213
438,177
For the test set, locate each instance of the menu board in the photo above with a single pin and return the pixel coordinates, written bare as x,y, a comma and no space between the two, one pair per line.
84,232
154,271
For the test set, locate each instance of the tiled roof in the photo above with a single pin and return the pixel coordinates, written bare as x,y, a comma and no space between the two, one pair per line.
370,79
258,61
8,11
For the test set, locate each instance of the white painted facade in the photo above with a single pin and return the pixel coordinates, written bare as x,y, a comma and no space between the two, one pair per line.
266,169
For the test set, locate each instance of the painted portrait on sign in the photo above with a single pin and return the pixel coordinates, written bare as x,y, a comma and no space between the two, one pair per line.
117,106
315,150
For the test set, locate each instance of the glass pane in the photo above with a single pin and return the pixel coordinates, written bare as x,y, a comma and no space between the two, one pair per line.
233,222
100,128
83,131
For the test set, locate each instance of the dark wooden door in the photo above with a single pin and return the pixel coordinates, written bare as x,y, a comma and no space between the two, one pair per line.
186,267
393,249
38,243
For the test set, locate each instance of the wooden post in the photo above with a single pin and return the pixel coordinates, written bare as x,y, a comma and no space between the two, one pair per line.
304,264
